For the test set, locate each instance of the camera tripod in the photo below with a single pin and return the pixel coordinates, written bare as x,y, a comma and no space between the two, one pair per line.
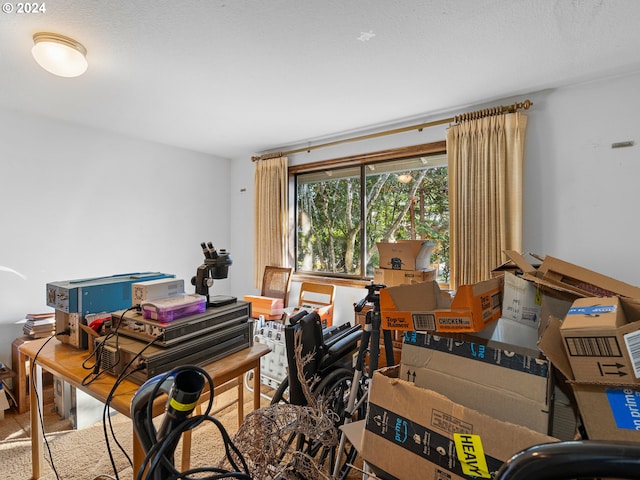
369,343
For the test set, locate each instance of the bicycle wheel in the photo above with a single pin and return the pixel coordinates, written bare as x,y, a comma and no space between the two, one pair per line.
333,391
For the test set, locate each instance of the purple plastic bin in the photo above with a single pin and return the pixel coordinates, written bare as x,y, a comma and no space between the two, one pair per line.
171,308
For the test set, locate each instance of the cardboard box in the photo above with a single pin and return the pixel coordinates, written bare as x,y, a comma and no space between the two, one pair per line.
424,307
602,340
155,289
405,254
412,307
515,263
270,308
573,280
608,412
423,434
522,306
503,381
325,312
392,278
521,301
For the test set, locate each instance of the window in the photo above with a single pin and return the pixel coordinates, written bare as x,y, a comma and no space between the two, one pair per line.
342,208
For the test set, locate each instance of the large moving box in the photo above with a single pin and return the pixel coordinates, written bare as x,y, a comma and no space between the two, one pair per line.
573,280
405,254
412,432
602,339
392,278
502,381
608,412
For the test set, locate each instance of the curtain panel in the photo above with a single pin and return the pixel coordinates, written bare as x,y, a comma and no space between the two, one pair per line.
270,208
486,159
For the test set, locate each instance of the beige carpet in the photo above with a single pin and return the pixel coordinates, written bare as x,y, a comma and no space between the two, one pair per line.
83,454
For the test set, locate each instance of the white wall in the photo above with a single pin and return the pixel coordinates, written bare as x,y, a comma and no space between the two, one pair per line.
580,195
78,202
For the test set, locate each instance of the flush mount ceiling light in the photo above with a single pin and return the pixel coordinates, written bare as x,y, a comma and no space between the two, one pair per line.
60,55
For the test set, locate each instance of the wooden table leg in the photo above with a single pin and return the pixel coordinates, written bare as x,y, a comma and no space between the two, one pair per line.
19,363
36,406
240,400
256,386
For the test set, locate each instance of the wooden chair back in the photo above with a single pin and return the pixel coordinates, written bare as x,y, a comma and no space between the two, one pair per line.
276,282
316,294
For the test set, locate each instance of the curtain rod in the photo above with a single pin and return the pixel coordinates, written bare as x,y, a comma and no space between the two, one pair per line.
487,112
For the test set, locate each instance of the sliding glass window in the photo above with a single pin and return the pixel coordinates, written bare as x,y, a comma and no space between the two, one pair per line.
342,212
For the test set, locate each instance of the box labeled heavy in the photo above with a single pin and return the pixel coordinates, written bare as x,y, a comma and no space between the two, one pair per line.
424,307
424,434
405,254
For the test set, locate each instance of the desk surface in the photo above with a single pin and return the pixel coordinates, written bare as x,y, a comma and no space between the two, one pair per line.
66,362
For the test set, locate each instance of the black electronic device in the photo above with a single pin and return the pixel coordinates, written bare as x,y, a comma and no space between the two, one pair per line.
145,361
133,324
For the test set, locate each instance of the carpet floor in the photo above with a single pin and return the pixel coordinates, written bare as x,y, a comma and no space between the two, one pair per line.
90,454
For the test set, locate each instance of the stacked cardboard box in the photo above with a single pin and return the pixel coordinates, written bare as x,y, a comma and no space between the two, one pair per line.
596,348
424,307
424,434
404,262
583,332
587,329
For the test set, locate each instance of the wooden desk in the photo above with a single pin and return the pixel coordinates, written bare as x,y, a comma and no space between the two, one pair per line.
65,362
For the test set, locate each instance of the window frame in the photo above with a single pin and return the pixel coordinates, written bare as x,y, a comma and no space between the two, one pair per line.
433,148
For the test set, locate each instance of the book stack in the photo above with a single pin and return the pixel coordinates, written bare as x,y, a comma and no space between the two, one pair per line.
39,325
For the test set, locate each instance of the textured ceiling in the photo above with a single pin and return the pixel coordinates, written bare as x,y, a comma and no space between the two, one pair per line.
236,77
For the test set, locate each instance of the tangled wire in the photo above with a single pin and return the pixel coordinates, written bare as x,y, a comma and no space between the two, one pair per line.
264,438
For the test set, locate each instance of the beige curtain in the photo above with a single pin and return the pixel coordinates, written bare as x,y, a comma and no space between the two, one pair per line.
485,193
270,215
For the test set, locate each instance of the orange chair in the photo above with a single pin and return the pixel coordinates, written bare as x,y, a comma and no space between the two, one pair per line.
319,296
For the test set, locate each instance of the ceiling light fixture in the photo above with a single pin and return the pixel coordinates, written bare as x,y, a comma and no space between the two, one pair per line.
60,55
405,178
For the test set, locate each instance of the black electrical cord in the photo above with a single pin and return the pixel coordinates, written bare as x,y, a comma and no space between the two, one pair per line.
98,350
157,454
34,391
126,372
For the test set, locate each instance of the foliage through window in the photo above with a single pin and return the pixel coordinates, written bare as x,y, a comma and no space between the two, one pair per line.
342,212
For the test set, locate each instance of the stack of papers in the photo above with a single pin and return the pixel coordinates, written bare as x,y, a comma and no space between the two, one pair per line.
39,325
